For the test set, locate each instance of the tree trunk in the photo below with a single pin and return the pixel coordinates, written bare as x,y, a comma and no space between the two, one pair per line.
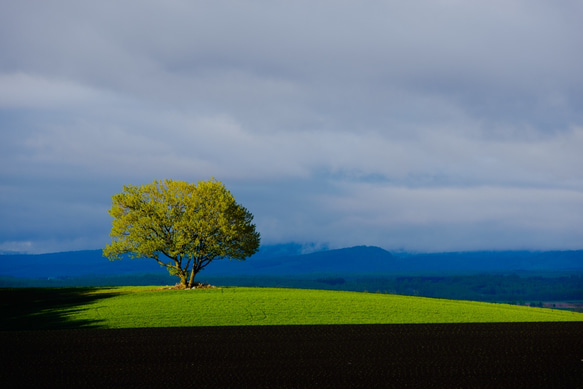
183,279
192,274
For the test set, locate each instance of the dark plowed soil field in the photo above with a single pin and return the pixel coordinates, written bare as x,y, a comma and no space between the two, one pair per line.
508,355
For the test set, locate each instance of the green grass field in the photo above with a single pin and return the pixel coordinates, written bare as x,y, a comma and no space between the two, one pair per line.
133,307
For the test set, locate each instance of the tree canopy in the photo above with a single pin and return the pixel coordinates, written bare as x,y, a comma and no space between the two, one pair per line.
183,226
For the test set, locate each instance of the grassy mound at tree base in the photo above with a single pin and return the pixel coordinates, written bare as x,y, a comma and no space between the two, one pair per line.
139,307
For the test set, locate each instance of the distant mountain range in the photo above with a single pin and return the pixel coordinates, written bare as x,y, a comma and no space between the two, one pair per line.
288,260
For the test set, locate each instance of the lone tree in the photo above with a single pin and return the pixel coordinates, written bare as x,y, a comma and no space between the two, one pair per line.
182,226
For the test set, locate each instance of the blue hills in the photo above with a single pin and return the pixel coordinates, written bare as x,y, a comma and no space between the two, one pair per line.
288,260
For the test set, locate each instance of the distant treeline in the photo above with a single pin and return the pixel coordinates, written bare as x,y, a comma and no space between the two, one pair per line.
487,287
82,281
507,288
501,288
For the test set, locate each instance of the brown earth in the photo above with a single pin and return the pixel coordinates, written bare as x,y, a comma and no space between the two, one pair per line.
505,355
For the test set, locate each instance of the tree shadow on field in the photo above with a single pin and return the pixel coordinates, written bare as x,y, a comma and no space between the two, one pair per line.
47,308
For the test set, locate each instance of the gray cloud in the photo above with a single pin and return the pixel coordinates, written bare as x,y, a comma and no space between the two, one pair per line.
426,126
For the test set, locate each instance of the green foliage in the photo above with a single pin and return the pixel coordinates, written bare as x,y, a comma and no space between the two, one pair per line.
132,307
182,226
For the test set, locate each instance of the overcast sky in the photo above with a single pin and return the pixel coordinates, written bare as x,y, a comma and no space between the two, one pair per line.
440,125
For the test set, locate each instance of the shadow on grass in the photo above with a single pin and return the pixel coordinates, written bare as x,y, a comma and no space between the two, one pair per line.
47,308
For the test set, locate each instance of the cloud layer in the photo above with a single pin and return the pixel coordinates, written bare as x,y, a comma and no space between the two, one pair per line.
434,125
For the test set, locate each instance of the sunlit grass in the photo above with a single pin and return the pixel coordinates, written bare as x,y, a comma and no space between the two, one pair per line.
132,307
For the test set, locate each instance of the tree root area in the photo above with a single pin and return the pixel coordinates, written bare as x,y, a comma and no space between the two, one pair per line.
504,355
